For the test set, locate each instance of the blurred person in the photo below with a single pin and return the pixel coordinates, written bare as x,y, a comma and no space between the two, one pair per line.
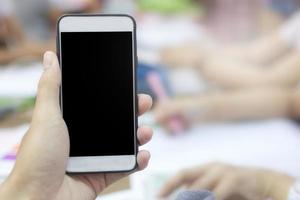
272,60
229,182
60,7
27,28
38,17
234,105
13,42
259,80
240,20
248,93
40,169
232,20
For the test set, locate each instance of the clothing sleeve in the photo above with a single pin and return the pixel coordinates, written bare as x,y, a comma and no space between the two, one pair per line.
290,31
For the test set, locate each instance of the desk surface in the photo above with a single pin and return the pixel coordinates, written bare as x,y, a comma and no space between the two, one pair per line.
270,144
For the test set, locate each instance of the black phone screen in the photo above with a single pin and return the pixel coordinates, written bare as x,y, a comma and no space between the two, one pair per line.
98,92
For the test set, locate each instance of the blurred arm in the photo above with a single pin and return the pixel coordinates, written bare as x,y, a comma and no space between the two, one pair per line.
230,73
247,104
7,56
25,49
233,105
258,52
14,29
19,46
261,51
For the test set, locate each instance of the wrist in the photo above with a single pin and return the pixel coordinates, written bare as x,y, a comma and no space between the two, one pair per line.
13,190
7,192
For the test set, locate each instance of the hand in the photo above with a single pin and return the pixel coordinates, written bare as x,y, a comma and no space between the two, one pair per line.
39,172
185,56
190,110
230,182
165,111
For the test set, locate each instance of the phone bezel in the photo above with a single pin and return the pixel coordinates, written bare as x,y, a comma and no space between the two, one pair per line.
90,23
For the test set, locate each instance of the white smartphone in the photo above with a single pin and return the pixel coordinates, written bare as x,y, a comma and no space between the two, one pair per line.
97,55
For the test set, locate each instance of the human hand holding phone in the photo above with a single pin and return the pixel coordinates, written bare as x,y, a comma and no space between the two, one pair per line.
39,172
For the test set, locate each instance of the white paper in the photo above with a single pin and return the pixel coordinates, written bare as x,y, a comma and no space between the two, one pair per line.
19,80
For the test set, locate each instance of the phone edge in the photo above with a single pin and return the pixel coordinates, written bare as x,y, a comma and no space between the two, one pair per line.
135,65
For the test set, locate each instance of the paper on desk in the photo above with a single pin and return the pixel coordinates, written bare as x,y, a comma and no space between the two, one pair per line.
20,80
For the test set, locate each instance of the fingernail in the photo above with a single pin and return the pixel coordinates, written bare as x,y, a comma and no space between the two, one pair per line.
48,59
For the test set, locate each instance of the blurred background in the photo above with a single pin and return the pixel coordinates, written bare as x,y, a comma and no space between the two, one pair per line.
224,75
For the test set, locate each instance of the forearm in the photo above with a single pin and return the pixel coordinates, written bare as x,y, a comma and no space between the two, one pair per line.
286,72
229,73
11,191
240,105
264,50
234,74
15,29
26,49
8,193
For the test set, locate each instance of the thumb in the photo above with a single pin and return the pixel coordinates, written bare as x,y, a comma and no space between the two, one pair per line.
47,101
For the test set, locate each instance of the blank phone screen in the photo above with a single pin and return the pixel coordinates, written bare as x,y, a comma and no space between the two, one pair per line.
98,92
